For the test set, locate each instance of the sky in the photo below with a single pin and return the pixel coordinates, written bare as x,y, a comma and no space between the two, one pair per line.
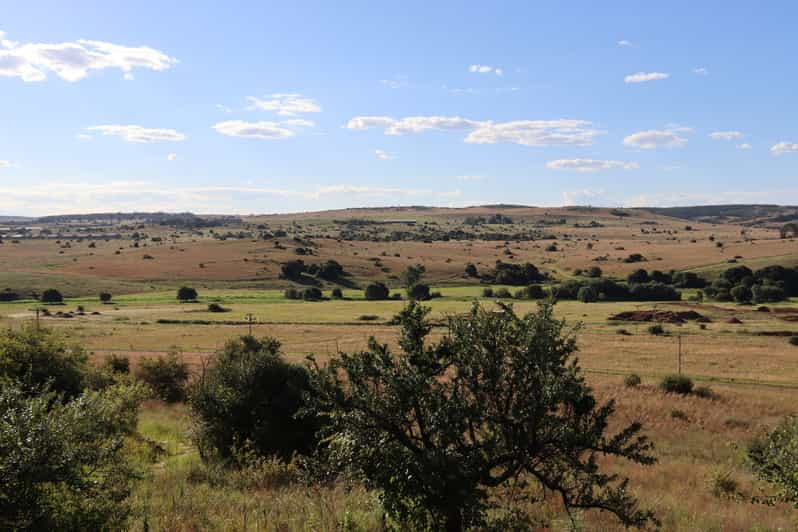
260,107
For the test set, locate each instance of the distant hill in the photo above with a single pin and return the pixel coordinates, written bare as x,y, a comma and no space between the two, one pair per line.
7,219
745,214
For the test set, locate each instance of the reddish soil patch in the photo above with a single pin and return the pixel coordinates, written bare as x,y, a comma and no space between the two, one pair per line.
665,316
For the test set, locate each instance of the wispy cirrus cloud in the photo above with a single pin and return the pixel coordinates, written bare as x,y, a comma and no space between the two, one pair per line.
72,61
590,165
726,135
624,42
523,132
267,130
642,77
485,69
383,155
701,71
133,133
784,147
285,104
655,138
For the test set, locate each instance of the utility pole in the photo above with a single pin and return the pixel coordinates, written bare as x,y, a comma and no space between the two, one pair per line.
250,319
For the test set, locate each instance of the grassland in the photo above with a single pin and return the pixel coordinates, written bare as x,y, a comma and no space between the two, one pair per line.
749,365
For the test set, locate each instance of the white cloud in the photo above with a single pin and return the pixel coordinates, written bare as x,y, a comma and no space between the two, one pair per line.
784,147
5,164
524,132
744,146
285,104
131,133
253,130
383,155
701,71
590,165
726,135
485,69
171,157
642,77
624,42
397,82
72,61
652,139
223,108
128,76
470,177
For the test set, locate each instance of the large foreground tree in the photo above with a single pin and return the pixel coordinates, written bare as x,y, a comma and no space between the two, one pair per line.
499,401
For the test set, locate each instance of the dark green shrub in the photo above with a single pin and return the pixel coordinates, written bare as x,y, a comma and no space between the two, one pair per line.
741,294
8,295
487,292
216,307
638,276
632,381
419,292
337,293
376,292
679,414
292,293
766,293
502,293
186,293
117,364
368,317
36,358
587,294
312,294
594,272
51,295
705,392
676,384
471,270
105,297
656,329
533,291
249,393
166,375
793,340
63,463
774,459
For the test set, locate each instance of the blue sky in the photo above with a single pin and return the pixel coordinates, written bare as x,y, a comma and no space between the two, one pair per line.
257,107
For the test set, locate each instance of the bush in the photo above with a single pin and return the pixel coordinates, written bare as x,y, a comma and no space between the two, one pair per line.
688,280
676,384
337,293
63,464
766,293
376,292
292,293
594,272
653,292
216,307
741,294
774,459
471,270
533,291
705,392
793,340
249,393
38,358
419,292
638,276
679,414
487,292
656,329
117,364
51,295
502,293
166,375
105,297
632,381
368,317
587,294
8,295
311,294
186,293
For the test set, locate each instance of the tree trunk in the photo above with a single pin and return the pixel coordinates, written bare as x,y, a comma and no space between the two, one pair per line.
454,520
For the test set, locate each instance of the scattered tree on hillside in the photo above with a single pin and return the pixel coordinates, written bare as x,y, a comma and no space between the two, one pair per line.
186,293
51,295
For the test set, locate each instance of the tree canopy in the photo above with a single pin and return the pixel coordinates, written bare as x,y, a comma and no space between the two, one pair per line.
498,400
